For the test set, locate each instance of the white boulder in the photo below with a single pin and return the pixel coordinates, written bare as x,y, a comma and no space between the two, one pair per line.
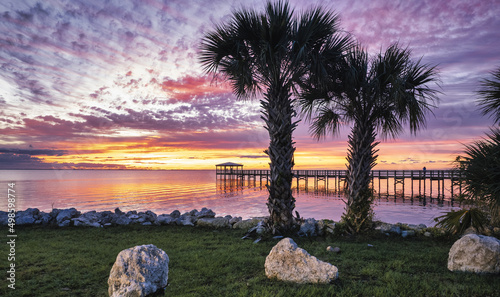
90,219
27,217
165,219
247,224
475,253
66,215
288,262
138,271
122,220
235,220
308,227
218,222
205,213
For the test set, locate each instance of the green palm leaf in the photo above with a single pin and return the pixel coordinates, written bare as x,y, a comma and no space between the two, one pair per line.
490,96
457,222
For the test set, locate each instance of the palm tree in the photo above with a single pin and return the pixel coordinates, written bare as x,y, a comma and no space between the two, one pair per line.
377,95
490,95
269,54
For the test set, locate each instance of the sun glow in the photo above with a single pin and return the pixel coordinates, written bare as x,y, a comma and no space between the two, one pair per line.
144,156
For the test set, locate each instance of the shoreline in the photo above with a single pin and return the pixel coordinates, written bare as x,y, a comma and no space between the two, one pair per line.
71,217
164,191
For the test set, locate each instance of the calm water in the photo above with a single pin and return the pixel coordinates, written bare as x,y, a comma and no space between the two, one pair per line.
165,191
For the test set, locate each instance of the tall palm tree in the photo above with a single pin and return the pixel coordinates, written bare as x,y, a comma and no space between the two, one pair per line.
377,95
490,96
268,54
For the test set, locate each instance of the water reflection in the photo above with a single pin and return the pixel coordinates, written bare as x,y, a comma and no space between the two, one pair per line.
325,201
165,191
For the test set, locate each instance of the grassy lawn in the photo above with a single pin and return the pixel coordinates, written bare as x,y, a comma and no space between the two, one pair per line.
204,262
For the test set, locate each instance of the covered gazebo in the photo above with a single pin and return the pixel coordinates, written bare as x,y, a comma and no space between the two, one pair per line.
229,168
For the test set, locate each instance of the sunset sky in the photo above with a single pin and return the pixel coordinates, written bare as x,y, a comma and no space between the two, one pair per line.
117,84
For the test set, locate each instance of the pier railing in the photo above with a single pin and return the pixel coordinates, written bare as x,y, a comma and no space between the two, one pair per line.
439,184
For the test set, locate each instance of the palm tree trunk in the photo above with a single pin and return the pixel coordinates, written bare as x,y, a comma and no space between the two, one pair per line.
277,114
361,159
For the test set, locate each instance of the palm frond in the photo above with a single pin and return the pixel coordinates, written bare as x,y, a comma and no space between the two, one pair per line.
225,51
458,221
327,121
402,88
489,93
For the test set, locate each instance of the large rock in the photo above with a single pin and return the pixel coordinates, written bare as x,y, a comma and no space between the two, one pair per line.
142,217
107,217
92,216
138,271
389,228
122,220
308,228
66,215
321,226
205,213
175,214
151,217
475,253
185,220
27,217
88,219
164,219
407,233
247,224
64,223
218,222
4,218
329,227
288,262
235,220
78,222
44,218
54,212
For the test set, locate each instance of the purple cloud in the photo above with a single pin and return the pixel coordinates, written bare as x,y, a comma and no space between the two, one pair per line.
106,71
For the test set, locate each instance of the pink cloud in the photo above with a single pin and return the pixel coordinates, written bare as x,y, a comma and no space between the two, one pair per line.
189,87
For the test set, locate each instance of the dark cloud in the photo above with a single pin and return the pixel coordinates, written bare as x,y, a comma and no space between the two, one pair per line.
15,161
26,162
253,157
34,152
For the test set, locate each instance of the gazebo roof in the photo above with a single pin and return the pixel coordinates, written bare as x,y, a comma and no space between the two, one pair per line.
229,164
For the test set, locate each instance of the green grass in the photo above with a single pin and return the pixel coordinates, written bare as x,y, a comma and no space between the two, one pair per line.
204,262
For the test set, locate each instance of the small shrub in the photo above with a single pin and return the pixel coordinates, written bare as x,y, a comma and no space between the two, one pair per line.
457,222
480,171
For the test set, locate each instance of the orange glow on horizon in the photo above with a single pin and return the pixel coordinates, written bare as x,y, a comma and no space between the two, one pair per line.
396,155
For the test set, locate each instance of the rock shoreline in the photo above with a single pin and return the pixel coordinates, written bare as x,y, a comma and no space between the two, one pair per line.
204,218
73,217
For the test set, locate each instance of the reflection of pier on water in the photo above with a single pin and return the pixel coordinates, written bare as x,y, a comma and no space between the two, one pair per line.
437,186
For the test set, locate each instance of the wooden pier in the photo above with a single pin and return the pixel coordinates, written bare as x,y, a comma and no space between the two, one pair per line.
440,184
